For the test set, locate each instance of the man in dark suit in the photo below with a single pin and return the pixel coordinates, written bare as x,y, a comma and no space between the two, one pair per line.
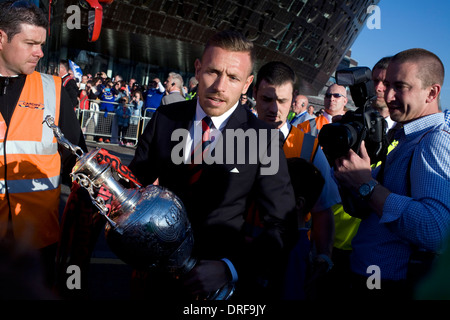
217,202
69,82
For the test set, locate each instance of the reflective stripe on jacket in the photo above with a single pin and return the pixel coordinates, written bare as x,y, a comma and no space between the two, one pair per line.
313,126
300,145
30,164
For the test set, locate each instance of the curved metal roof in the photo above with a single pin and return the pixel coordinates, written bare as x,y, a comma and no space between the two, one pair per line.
312,36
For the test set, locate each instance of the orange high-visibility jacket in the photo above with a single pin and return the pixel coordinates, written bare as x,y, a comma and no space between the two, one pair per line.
300,145
313,126
30,164
297,145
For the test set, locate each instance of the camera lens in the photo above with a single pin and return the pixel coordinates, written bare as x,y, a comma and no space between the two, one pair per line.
337,139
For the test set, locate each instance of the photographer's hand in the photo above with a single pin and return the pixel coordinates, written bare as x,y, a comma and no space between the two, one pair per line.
353,170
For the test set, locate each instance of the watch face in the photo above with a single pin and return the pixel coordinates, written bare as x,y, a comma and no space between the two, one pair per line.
364,190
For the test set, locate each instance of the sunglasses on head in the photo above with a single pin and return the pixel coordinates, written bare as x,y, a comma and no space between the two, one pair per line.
335,95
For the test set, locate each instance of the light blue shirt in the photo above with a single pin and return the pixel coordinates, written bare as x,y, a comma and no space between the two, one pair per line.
422,219
301,117
447,116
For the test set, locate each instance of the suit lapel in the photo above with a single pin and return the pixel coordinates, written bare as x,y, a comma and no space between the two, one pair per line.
187,114
182,119
238,119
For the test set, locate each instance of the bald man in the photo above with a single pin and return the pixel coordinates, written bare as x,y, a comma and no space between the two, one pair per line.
300,107
334,103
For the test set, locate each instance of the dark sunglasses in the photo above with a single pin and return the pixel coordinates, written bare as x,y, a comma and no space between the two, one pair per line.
335,95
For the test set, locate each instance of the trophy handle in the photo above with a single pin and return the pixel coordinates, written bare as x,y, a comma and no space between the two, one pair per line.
81,178
76,150
99,202
92,175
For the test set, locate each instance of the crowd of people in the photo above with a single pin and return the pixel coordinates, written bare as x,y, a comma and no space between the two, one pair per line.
315,228
104,94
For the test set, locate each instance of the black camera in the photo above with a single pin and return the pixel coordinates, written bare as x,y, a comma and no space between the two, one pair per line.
363,124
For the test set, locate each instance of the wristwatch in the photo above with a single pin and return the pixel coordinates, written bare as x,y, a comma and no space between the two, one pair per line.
366,189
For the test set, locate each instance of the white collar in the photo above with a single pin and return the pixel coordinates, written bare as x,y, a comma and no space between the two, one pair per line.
285,129
219,121
328,116
390,123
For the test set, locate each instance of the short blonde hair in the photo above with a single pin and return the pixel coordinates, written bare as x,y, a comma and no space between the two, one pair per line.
232,41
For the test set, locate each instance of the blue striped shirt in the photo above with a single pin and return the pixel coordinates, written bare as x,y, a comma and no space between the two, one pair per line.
422,219
447,116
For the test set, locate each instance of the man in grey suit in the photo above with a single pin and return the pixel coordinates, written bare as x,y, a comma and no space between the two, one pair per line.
173,85
300,107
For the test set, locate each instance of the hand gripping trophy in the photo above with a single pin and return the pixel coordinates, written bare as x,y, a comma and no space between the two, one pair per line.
146,227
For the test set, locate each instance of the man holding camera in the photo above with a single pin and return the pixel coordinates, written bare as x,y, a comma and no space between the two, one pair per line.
408,195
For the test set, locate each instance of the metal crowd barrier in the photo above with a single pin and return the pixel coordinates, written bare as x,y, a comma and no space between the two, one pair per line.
100,125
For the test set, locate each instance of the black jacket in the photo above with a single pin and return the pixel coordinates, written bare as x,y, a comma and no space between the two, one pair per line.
72,90
217,204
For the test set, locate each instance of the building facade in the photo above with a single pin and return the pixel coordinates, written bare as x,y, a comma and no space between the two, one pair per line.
147,38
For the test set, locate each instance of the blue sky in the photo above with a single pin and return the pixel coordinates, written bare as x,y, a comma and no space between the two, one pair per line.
406,24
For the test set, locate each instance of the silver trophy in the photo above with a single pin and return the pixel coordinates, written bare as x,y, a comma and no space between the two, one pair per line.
147,227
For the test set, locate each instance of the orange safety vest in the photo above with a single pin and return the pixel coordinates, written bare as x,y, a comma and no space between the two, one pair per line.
30,164
297,145
313,126
300,145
